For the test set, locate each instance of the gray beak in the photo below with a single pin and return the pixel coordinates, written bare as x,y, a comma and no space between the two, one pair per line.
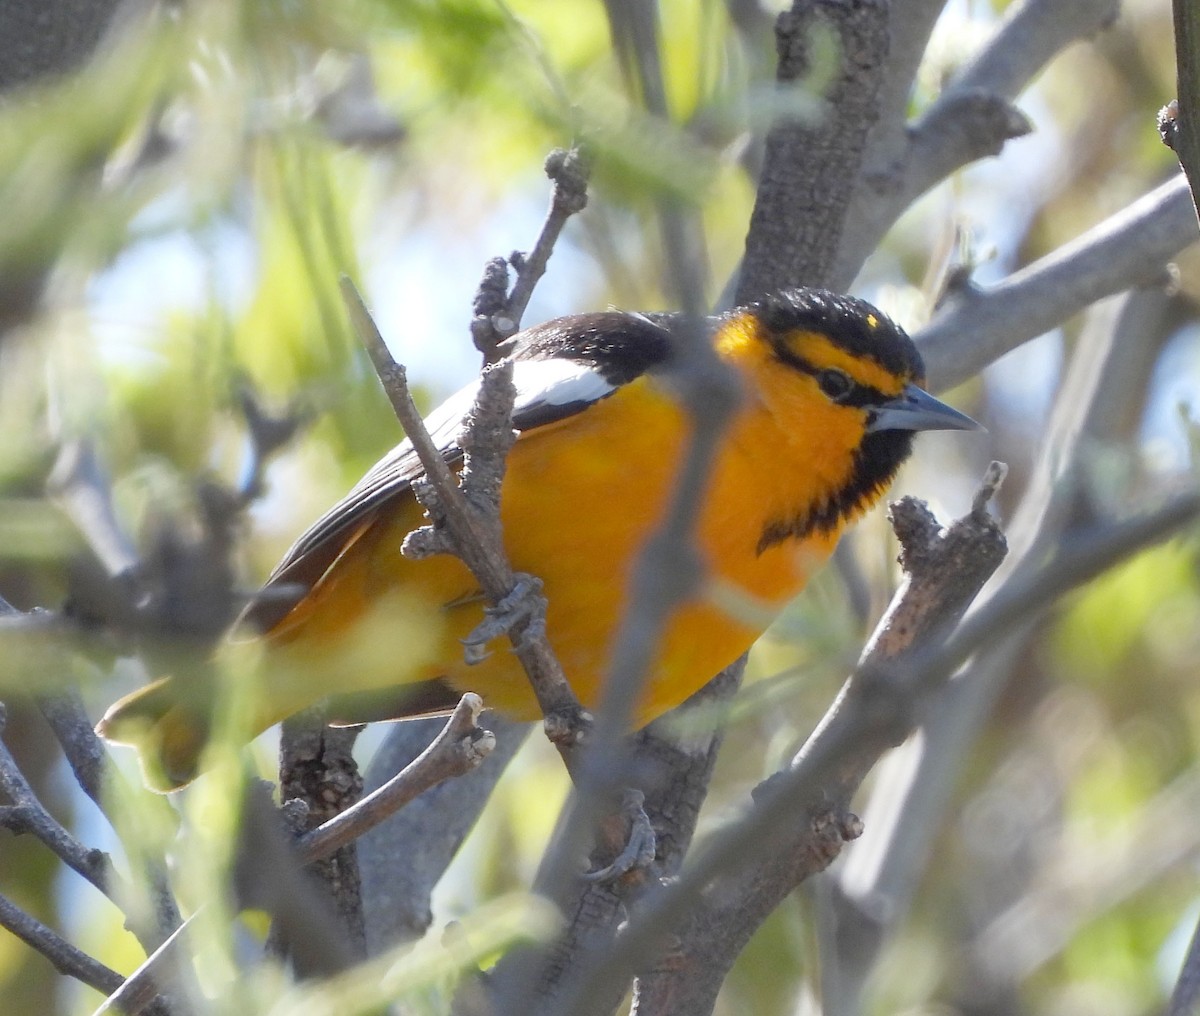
915,409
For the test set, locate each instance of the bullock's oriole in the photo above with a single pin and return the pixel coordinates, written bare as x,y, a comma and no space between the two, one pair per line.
831,402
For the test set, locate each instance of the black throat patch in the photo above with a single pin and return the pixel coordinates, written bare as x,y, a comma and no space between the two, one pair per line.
876,462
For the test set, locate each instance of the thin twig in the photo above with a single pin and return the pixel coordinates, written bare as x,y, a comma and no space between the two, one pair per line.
93,771
456,750
268,433
474,537
401,863
66,958
30,816
568,169
136,993
459,748
666,572
498,311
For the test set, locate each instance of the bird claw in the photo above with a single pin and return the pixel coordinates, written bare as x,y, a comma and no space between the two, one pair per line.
640,848
524,603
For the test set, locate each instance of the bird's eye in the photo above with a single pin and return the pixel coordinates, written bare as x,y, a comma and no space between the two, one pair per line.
836,384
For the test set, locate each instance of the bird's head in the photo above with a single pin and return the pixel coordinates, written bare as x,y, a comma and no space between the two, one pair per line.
843,383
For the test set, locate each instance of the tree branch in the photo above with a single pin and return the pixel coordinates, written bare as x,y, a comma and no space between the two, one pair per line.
458,749
978,325
318,778
473,530
944,571
93,771
973,118
66,958
876,883
674,777
803,192
401,862
29,816
1184,137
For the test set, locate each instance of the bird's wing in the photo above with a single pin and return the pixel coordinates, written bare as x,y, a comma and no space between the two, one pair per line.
559,370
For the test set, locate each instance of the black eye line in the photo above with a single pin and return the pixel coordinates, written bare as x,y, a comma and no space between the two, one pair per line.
860,395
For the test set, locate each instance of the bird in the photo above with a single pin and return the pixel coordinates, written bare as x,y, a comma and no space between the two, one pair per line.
832,400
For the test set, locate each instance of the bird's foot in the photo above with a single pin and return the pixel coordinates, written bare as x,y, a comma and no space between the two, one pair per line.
524,604
640,845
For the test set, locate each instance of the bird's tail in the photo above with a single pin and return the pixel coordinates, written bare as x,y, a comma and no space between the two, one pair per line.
168,733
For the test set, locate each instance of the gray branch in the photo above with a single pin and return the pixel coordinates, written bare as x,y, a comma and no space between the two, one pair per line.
402,860
972,118
27,815
803,194
979,325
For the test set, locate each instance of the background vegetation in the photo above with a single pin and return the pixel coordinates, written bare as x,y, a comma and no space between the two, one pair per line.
180,196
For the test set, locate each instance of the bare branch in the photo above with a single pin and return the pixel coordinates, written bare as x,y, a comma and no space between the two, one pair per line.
28,815
944,571
66,958
268,433
138,991
750,889
81,483
667,570
803,195
498,311
401,863
972,118
470,517
1185,133
71,725
877,881
675,777
1031,34
476,537
977,326
568,169
458,749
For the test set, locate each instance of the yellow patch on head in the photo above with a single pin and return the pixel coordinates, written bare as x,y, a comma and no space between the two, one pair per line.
872,322
818,350
740,335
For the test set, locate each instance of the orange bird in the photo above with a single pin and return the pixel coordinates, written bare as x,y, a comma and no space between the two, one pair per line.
832,399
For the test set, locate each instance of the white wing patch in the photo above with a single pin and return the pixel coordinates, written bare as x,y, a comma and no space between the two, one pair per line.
556,383
539,383
542,385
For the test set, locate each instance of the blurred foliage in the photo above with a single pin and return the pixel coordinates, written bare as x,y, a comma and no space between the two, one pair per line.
176,219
